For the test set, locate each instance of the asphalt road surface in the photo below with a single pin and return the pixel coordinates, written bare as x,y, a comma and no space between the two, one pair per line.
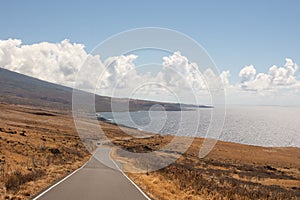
94,181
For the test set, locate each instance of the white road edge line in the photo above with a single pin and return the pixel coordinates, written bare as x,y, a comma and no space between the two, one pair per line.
51,187
133,183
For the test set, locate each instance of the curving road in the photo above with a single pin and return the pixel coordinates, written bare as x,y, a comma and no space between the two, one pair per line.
95,181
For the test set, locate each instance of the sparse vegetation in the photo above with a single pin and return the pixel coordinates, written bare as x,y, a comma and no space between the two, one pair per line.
35,150
220,175
17,178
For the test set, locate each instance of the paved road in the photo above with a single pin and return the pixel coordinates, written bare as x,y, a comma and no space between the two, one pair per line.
95,181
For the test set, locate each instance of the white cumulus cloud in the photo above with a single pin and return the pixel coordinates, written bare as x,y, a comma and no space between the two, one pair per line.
225,77
120,71
276,78
60,63
53,62
179,72
247,73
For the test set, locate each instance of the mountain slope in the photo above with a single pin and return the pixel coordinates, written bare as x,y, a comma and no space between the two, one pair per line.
17,88
20,89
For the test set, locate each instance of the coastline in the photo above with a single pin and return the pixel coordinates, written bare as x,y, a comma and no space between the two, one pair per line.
112,122
235,164
230,171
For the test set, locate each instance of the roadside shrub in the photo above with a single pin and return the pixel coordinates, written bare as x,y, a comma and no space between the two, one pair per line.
16,179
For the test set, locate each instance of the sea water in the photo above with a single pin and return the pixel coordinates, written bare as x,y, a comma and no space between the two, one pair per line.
256,125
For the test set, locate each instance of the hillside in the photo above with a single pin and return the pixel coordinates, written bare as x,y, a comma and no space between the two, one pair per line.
39,145
24,90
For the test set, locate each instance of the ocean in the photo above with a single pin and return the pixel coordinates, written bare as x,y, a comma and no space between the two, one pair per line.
271,126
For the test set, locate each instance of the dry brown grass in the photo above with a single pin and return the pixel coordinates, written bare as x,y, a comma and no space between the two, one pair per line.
37,147
230,171
13,181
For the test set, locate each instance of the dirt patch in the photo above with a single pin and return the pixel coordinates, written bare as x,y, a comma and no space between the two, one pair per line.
43,113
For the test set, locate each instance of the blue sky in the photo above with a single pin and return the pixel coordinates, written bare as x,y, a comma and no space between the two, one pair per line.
235,33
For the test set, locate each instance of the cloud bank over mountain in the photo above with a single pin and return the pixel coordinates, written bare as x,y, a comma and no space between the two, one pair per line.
60,63
53,62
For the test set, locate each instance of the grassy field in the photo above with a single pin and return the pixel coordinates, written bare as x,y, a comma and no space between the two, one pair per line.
40,146
37,147
230,171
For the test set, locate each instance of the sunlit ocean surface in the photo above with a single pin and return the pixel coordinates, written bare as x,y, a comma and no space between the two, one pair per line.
255,125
